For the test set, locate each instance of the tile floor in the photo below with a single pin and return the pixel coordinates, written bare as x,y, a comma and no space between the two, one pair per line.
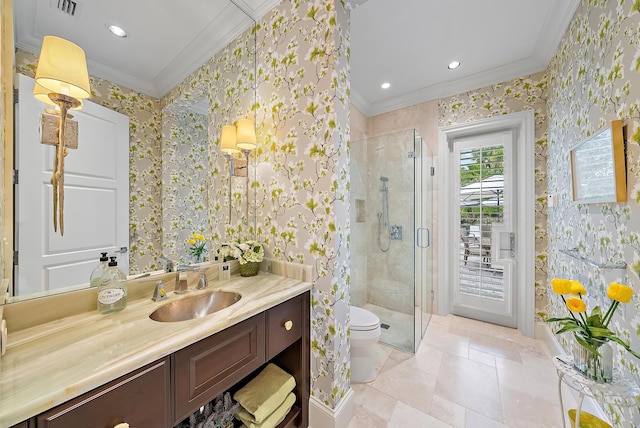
466,374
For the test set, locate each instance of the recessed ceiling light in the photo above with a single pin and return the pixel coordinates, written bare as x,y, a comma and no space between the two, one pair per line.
117,31
453,65
385,85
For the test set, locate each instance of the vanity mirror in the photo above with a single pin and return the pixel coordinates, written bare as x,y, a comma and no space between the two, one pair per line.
208,27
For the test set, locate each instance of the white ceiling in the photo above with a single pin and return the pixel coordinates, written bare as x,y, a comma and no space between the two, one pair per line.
167,41
409,43
405,42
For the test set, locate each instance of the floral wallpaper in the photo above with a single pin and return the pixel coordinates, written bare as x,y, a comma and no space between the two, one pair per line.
227,85
298,175
527,93
594,78
184,178
303,168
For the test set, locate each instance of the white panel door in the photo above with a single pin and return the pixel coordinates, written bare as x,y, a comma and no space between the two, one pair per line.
483,287
96,197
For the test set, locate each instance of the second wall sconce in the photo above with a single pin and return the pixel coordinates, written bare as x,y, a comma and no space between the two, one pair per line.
240,138
62,77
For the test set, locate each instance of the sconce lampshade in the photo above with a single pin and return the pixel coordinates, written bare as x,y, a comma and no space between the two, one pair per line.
41,94
228,140
246,135
62,68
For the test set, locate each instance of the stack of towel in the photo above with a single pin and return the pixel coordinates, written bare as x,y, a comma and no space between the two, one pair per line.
267,399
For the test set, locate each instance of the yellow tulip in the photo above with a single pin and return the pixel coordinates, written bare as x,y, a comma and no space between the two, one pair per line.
561,286
198,237
577,289
191,241
575,304
620,292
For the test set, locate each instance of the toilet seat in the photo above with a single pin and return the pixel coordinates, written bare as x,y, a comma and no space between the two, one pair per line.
363,320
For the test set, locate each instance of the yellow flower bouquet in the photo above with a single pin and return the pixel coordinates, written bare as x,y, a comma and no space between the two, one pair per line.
590,331
198,246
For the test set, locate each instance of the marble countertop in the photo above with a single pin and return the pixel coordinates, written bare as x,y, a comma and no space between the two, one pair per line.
49,364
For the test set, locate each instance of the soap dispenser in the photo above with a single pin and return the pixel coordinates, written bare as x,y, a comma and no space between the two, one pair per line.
98,271
112,291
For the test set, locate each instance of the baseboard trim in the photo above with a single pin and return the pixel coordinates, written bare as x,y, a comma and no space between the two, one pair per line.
544,333
321,416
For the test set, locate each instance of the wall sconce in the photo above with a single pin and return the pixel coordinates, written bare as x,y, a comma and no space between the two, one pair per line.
61,74
233,140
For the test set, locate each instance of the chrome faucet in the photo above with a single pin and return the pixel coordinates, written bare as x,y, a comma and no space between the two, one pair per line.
202,284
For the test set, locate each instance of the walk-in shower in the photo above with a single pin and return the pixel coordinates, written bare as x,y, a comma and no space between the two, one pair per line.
391,215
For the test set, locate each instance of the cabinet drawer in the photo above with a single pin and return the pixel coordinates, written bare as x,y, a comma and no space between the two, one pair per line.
206,369
140,398
284,325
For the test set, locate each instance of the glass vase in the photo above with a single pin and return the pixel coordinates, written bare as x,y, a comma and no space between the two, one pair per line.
249,269
596,366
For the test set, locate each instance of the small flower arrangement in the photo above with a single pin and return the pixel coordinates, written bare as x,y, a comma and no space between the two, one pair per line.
198,246
244,252
594,328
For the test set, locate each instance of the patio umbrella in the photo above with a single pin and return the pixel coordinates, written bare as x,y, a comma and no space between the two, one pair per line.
483,192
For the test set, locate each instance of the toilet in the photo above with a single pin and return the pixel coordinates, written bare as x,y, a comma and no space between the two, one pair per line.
365,332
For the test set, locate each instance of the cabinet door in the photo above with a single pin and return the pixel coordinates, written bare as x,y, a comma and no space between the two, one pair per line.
140,399
284,325
208,368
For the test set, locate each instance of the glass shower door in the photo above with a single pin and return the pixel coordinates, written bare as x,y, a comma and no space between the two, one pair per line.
391,272
423,195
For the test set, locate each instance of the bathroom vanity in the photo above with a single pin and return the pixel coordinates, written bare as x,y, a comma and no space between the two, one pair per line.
128,368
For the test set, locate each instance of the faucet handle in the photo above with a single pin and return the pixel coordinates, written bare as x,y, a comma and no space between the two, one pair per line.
203,283
159,292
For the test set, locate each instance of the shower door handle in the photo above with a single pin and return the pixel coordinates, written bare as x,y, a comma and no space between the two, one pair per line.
419,234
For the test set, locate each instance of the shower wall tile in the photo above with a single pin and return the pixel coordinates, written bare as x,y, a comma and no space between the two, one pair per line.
358,125
390,274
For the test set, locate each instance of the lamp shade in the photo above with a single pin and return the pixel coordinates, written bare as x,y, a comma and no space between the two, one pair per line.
246,134
42,94
228,140
62,68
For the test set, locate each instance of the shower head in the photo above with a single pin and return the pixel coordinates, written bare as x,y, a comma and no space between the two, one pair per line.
384,179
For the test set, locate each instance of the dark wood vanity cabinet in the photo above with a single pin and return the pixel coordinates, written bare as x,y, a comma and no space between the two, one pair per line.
164,393
228,360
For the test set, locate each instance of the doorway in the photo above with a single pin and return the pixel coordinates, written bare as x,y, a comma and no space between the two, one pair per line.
485,215
96,198
488,195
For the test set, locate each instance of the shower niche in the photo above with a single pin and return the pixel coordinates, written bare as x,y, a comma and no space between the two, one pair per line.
391,255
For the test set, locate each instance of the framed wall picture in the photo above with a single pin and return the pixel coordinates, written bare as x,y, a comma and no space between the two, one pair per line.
598,170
